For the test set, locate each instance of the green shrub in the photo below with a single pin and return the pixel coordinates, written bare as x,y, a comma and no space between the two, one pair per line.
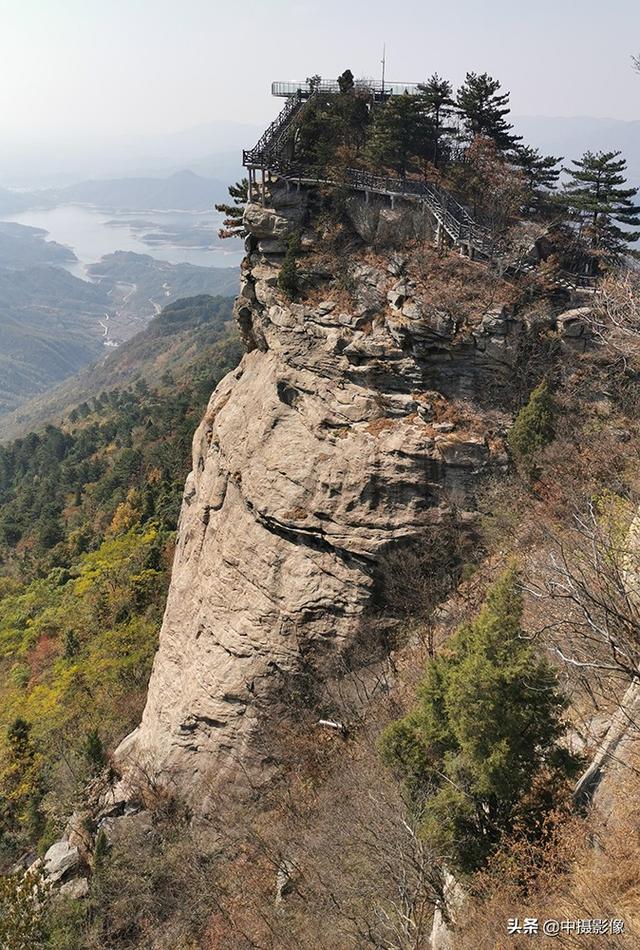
533,428
24,902
94,751
289,277
480,754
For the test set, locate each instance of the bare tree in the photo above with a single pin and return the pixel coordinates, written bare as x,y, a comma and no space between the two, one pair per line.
615,317
591,592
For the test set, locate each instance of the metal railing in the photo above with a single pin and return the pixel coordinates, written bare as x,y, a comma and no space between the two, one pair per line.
452,216
273,152
272,140
309,86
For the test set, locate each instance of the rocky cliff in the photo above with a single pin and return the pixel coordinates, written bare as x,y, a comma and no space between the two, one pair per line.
358,417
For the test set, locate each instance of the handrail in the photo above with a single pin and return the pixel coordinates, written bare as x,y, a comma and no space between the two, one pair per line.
309,86
258,154
273,153
453,216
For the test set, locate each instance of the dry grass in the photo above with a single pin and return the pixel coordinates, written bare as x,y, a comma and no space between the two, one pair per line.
588,870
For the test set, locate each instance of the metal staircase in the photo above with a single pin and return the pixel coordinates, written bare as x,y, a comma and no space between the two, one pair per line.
270,150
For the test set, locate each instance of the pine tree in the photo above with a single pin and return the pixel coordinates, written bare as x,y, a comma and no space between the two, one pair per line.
331,128
101,852
21,782
289,277
480,753
541,174
345,81
484,110
399,133
597,197
534,427
232,225
94,751
438,105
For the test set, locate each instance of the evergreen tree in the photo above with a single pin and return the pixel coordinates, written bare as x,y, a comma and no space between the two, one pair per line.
101,851
332,127
345,81
399,133
541,174
71,645
439,107
94,751
232,225
289,277
533,427
484,110
597,196
480,753
21,783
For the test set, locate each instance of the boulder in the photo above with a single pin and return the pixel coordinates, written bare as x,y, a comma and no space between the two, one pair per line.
444,426
60,860
272,246
379,224
75,890
446,913
574,328
495,322
469,452
121,827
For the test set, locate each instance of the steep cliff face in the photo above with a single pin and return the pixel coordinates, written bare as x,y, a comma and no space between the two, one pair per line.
355,419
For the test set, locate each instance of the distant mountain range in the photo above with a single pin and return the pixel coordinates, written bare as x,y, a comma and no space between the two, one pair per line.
190,170
12,202
213,149
183,191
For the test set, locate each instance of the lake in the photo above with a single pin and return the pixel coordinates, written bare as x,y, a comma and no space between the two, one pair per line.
92,233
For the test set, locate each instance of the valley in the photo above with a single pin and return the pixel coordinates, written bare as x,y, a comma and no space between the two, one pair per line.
76,280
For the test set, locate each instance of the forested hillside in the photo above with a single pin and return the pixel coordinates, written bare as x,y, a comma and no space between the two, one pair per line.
49,328
87,515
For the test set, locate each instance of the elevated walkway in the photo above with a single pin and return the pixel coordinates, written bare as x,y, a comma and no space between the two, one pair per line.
274,151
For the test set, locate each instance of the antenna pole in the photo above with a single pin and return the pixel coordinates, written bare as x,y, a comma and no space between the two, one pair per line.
384,63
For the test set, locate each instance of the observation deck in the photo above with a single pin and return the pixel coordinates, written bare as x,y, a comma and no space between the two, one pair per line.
306,88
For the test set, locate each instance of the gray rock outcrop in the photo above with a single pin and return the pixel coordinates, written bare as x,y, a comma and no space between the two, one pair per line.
315,456
442,936
62,859
75,890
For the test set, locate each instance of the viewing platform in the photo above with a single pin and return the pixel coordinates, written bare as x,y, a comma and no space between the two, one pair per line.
377,89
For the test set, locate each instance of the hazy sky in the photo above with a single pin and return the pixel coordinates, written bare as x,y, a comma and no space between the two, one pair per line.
83,67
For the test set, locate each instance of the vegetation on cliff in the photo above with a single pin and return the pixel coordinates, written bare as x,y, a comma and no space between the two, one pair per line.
465,142
480,754
483,681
